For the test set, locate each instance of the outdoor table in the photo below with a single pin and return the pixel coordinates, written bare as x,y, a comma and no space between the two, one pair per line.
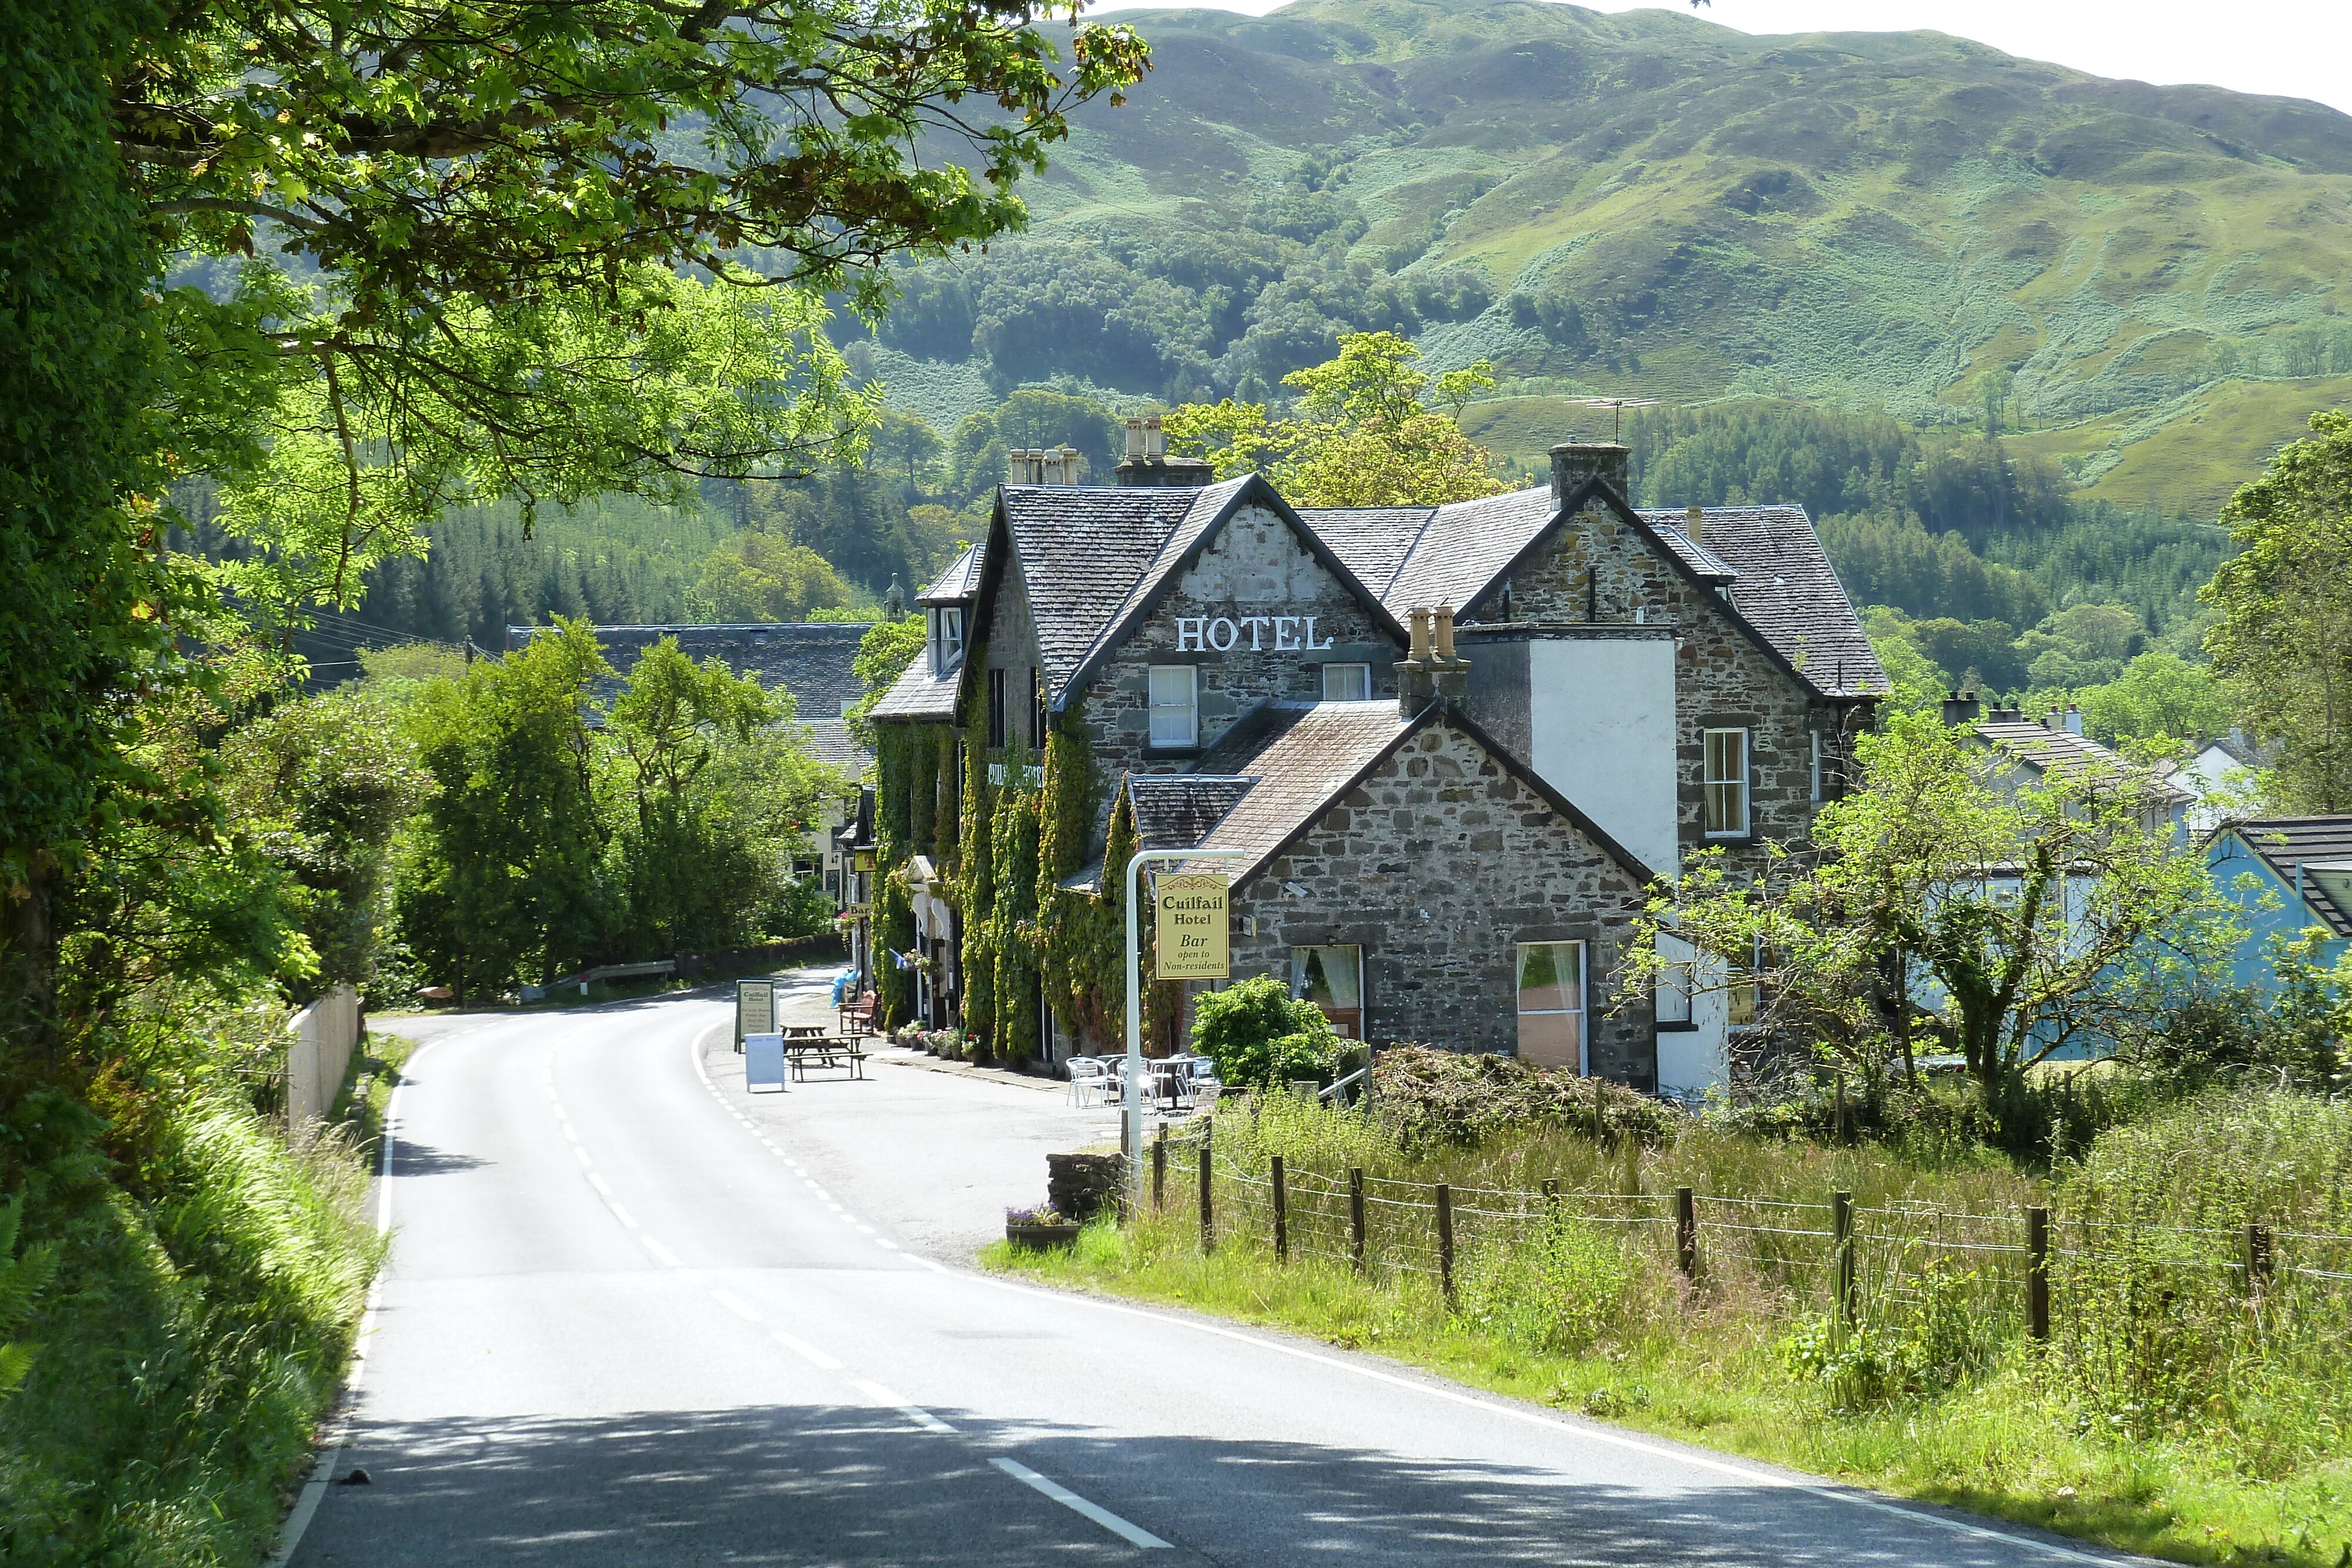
822,1053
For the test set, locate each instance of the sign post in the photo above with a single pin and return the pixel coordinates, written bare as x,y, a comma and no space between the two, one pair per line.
755,1008
1193,905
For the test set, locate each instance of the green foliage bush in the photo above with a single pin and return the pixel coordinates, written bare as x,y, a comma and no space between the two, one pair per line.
1562,1288
1442,1097
1260,1036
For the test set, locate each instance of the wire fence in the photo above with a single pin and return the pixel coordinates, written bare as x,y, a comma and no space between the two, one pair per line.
2011,1271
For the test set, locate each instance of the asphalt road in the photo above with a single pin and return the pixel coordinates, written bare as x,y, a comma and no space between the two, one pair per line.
635,1316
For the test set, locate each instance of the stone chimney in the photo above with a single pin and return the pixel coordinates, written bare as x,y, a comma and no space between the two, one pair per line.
1960,709
1147,465
2073,719
1416,681
894,600
1694,525
2054,720
1449,672
1574,464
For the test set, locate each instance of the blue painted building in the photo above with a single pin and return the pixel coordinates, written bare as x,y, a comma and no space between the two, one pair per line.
2288,874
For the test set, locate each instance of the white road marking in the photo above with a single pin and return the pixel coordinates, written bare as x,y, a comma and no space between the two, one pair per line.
580,1154
900,1403
805,1351
662,1255
1754,1476
598,1183
1134,1534
735,1304
622,1214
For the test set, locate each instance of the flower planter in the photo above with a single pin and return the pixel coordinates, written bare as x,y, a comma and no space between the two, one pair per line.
1038,1238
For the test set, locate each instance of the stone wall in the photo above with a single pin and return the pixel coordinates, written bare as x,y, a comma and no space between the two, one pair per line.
1722,679
1255,567
1437,866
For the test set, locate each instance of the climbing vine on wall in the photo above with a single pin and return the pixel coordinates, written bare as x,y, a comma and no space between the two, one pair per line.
1013,914
1079,938
974,884
896,746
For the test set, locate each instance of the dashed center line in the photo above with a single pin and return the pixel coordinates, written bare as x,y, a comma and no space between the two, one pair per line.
1135,1535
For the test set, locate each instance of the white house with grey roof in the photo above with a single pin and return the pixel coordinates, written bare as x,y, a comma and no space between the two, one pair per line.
1623,689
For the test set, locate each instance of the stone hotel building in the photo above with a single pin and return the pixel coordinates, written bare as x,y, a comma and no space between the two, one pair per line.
1454,745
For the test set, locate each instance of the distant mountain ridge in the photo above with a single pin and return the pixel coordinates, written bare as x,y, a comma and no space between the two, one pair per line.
2139,281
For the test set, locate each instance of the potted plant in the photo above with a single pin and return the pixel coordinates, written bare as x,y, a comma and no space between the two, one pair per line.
1040,1228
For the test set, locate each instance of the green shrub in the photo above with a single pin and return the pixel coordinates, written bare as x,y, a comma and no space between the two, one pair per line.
1260,1036
1561,1288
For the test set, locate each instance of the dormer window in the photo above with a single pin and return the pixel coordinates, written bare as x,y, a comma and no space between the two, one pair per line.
947,640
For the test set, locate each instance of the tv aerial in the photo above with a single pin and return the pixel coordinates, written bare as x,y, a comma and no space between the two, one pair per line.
1617,405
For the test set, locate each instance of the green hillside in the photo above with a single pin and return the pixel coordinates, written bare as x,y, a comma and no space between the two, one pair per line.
2140,282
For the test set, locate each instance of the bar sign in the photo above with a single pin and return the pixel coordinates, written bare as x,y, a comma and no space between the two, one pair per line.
1190,932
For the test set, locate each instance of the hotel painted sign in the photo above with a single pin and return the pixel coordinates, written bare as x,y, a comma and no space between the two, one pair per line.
1223,634
1189,933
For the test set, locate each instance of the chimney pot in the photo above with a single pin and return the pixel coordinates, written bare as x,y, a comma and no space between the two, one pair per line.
1573,463
1155,438
1960,709
1694,525
1441,630
1134,438
1417,622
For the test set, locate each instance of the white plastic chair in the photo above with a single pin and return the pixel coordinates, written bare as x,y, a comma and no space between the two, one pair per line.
1087,1077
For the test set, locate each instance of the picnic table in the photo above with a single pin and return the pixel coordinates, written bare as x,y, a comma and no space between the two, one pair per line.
819,1052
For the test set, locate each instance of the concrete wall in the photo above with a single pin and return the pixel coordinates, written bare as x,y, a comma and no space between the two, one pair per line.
325,1033
1602,720
1722,679
1437,867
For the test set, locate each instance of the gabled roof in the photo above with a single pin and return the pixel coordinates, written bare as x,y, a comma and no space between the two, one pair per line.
1412,556
2321,846
1784,586
960,582
917,696
1096,562
1303,757
1783,591
2063,754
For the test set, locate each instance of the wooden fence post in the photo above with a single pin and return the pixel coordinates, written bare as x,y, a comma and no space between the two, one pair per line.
1281,1216
1686,1232
2037,1273
1848,1293
1159,1170
1356,1213
1446,1240
2258,1260
1551,1194
1208,1211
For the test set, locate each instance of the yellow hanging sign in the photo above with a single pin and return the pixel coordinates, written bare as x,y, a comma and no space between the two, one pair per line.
1190,929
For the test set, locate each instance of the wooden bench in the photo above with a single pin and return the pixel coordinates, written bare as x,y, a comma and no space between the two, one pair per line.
821,1055
857,1019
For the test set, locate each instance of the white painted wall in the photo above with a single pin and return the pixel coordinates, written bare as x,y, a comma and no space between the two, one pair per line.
319,1053
1602,729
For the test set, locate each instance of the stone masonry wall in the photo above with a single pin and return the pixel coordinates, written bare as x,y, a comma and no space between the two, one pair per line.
1722,679
1255,567
1438,866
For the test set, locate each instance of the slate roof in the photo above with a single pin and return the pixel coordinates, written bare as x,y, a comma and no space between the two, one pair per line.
2323,846
1311,755
1177,810
2063,754
813,661
830,742
1410,556
960,582
1786,589
917,696
1086,555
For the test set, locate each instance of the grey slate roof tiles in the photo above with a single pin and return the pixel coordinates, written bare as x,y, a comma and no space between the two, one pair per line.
1786,591
814,659
830,742
2063,754
1178,811
960,581
1415,556
2322,846
917,695
1302,767
1083,555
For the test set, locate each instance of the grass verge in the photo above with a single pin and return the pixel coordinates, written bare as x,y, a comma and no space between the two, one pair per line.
2180,1442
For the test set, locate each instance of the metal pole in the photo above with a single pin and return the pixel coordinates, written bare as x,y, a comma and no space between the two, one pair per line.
1131,1124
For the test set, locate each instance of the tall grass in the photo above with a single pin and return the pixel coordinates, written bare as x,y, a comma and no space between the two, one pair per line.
2180,1407
195,1331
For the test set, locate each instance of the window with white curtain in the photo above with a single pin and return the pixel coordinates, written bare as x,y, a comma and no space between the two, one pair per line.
1175,705
1727,783
1347,683
1551,1004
